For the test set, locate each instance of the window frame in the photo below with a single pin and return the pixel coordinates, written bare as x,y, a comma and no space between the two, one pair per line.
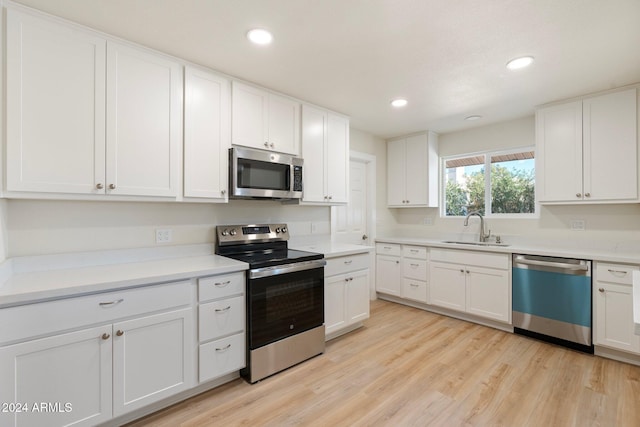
487,183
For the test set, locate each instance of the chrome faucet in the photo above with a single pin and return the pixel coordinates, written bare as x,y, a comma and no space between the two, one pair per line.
483,237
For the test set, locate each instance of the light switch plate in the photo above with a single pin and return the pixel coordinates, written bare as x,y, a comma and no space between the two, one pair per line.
163,235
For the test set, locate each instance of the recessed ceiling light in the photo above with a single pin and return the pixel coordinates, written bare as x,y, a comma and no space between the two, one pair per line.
260,36
400,102
517,63
472,118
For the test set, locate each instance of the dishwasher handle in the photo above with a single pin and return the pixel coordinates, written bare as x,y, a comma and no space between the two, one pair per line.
521,259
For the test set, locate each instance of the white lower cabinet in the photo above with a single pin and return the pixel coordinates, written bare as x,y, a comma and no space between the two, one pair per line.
90,375
389,269
346,293
221,325
457,282
613,307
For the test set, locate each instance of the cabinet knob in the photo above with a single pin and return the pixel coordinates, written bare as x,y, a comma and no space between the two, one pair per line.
105,336
578,195
397,262
223,192
468,272
266,144
600,289
99,186
112,186
271,145
587,194
330,197
120,333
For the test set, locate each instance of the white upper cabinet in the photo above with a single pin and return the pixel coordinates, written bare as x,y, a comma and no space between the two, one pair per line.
87,115
325,149
55,107
264,120
144,122
207,134
586,151
412,171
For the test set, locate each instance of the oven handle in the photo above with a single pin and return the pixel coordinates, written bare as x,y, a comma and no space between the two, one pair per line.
258,273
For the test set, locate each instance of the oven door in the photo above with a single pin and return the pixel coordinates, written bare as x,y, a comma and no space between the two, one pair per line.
284,301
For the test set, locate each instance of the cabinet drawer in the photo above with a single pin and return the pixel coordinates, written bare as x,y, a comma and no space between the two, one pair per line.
345,264
417,252
415,269
216,287
481,259
52,316
615,273
220,318
414,289
221,357
388,249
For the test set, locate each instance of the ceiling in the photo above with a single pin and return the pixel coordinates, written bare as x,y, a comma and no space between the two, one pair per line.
446,57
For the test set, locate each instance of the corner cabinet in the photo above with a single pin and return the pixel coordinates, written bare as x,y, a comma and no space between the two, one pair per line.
325,149
207,135
587,150
265,120
346,293
86,115
412,171
613,311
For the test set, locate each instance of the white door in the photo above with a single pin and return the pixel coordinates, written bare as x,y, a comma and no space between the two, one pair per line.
488,293
207,134
416,167
314,129
72,370
396,173
334,292
357,296
447,286
614,317
284,125
337,159
249,120
144,122
353,222
388,275
151,359
55,107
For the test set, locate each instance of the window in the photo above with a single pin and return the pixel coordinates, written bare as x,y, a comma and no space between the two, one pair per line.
508,189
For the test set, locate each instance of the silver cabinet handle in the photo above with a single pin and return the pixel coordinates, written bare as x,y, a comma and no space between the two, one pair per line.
110,303
413,251
587,194
120,333
271,145
349,261
112,186
227,347
461,270
105,336
600,289
578,195
619,273
413,285
223,192
220,310
266,144
414,265
222,284
99,186
468,272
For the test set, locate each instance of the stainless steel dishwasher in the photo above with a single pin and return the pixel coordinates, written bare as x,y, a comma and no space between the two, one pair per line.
552,300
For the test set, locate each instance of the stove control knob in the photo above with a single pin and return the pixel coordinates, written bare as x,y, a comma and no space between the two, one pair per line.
233,232
225,232
284,229
277,230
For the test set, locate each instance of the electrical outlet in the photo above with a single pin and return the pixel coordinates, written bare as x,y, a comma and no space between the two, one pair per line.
427,220
577,224
163,235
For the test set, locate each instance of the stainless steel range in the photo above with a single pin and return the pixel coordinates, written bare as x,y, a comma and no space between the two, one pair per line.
285,297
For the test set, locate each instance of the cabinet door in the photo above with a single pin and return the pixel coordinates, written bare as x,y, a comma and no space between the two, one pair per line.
396,172
559,153
337,160
610,147
249,119
417,177
207,134
488,293
414,289
334,303
614,317
447,286
314,131
144,122
283,124
152,359
388,275
71,370
357,296
55,107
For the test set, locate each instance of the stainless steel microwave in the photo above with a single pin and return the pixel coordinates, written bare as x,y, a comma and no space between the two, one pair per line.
264,174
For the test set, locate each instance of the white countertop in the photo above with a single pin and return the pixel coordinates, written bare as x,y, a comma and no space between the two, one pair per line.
603,252
26,285
331,249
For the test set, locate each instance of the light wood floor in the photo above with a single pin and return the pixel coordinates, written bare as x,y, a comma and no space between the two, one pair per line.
410,367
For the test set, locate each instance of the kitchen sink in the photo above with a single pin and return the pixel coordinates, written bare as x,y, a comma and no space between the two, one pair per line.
460,242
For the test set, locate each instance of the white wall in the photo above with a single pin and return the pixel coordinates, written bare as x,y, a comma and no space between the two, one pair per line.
42,227
613,223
